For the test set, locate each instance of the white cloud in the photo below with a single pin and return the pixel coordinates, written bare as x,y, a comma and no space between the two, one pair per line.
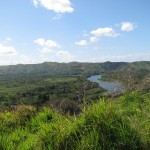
58,6
7,50
50,46
65,56
109,32
105,32
127,26
100,32
47,45
82,43
93,39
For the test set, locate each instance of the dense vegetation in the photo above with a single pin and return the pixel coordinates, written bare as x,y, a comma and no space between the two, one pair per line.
62,94
29,83
53,106
119,124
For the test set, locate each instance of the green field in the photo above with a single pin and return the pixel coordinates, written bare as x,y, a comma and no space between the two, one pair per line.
60,80
14,86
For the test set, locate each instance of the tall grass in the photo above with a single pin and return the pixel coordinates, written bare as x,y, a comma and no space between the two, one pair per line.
119,124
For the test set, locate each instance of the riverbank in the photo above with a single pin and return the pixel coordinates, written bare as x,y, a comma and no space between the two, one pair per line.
110,86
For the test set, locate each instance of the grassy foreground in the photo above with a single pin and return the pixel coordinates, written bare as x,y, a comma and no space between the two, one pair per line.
122,124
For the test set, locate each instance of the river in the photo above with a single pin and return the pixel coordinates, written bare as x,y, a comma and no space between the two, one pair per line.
111,87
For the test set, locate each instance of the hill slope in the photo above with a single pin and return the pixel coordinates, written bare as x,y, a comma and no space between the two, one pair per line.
119,124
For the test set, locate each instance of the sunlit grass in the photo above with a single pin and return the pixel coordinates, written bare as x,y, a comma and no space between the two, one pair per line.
119,124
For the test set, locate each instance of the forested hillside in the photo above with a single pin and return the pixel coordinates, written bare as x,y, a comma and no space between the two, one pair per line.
73,68
53,82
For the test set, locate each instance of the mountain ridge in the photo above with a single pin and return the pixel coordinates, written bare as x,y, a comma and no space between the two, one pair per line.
72,68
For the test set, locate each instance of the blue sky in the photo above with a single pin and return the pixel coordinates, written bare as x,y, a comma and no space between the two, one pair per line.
35,31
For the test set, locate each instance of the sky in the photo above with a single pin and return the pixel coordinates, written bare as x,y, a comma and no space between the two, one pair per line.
36,31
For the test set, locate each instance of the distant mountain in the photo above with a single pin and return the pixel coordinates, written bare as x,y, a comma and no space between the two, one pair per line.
71,69
141,65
